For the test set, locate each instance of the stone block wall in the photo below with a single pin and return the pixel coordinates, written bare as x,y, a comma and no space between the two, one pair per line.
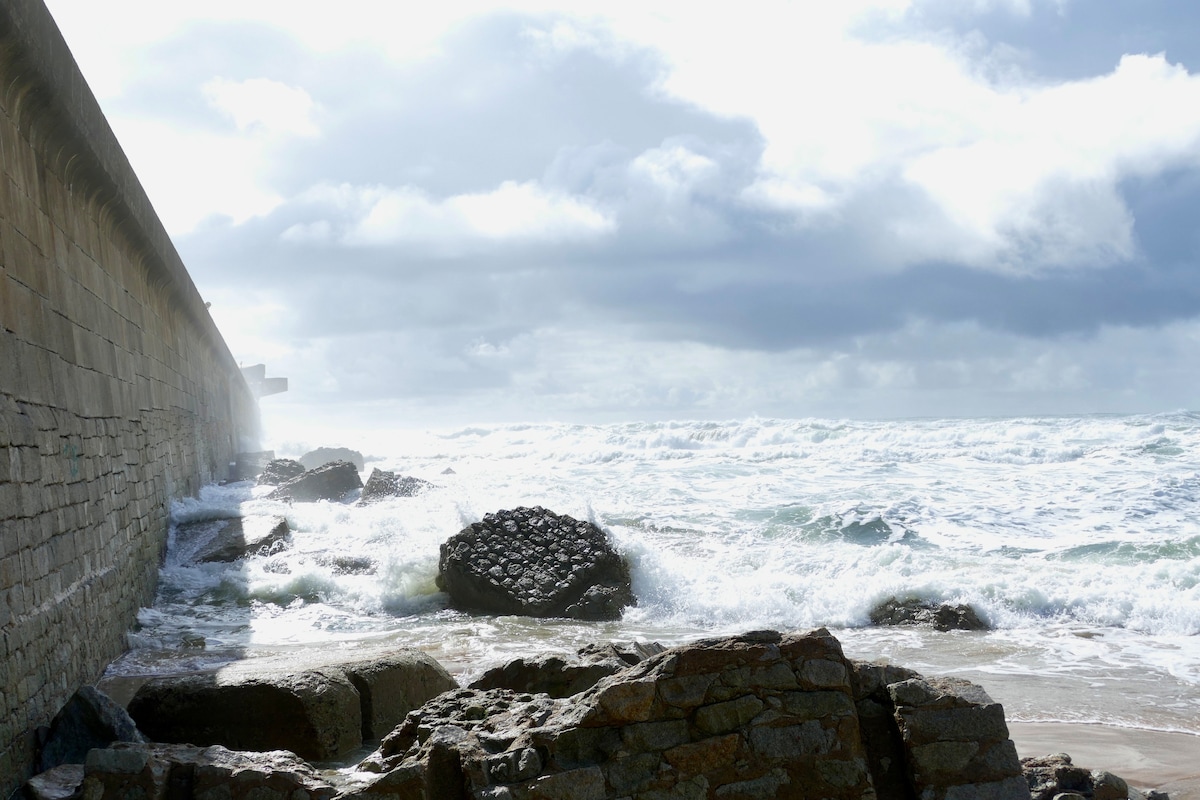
117,392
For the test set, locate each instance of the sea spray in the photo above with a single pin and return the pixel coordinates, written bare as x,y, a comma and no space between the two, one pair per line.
1077,539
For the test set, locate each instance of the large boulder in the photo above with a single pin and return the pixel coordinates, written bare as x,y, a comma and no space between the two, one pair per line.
326,455
184,771
563,676
382,485
89,719
940,616
533,562
761,715
328,482
316,706
280,470
225,540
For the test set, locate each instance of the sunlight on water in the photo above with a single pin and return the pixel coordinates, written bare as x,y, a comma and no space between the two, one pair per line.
1077,539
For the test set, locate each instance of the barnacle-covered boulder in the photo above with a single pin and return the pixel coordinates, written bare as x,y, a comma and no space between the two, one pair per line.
533,562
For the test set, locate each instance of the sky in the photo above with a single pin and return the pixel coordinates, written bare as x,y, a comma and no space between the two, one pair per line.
614,211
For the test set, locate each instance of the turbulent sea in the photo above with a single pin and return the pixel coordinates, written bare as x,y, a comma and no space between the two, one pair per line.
1077,539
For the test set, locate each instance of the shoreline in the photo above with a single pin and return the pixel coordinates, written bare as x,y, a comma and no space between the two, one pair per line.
1147,759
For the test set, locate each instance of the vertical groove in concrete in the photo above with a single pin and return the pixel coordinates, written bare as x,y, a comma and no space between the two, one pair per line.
117,392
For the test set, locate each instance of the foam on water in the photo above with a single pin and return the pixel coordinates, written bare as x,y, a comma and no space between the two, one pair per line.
1078,539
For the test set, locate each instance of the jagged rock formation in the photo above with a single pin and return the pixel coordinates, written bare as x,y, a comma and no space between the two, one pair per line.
940,616
382,485
563,676
319,709
90,719
1055,776
533,562
225,540
331,481
280,470
761,715
327,455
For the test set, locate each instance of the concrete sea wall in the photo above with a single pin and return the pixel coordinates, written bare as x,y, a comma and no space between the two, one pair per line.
117,392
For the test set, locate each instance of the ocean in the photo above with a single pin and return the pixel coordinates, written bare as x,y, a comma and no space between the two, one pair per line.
1076,538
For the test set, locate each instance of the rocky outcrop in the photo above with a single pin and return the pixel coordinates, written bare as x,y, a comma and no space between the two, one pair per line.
940,616
88,720
328,482
761,715
563,676
280,470
183,772
225,540
383,485
327,455
533,562
318,708
1054,776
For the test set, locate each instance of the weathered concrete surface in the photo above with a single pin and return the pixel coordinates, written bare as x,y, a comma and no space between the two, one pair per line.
117,392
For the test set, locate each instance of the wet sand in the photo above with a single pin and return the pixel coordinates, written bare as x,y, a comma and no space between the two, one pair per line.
1146,759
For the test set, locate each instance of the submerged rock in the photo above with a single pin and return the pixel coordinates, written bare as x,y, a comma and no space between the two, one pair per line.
563,676
328,482
533,562
327,455
280,470
314,705
382,485
940,616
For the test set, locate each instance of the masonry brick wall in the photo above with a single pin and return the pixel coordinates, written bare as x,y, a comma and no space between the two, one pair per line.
117,393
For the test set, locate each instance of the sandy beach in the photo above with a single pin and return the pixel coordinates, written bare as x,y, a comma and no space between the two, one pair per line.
1146,759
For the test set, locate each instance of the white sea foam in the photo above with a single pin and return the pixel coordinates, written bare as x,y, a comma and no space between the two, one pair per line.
1077,538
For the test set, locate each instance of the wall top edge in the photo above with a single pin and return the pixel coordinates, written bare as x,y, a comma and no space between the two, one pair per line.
36,54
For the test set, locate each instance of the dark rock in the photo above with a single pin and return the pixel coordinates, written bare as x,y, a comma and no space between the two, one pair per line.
382,485
348,565
248,465
328,482
225,540
316,706
762,715
533,562
184,771
89,719
280,470
941,616
560,676
327,455
1053,776
60,783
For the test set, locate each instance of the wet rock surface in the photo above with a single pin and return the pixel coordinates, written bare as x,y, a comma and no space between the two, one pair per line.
534,562
563,676
382,485
327,455
940,616
226,540
318,707
280,470
328,482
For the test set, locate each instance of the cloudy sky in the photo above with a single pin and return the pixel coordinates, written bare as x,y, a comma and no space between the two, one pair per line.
597,211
